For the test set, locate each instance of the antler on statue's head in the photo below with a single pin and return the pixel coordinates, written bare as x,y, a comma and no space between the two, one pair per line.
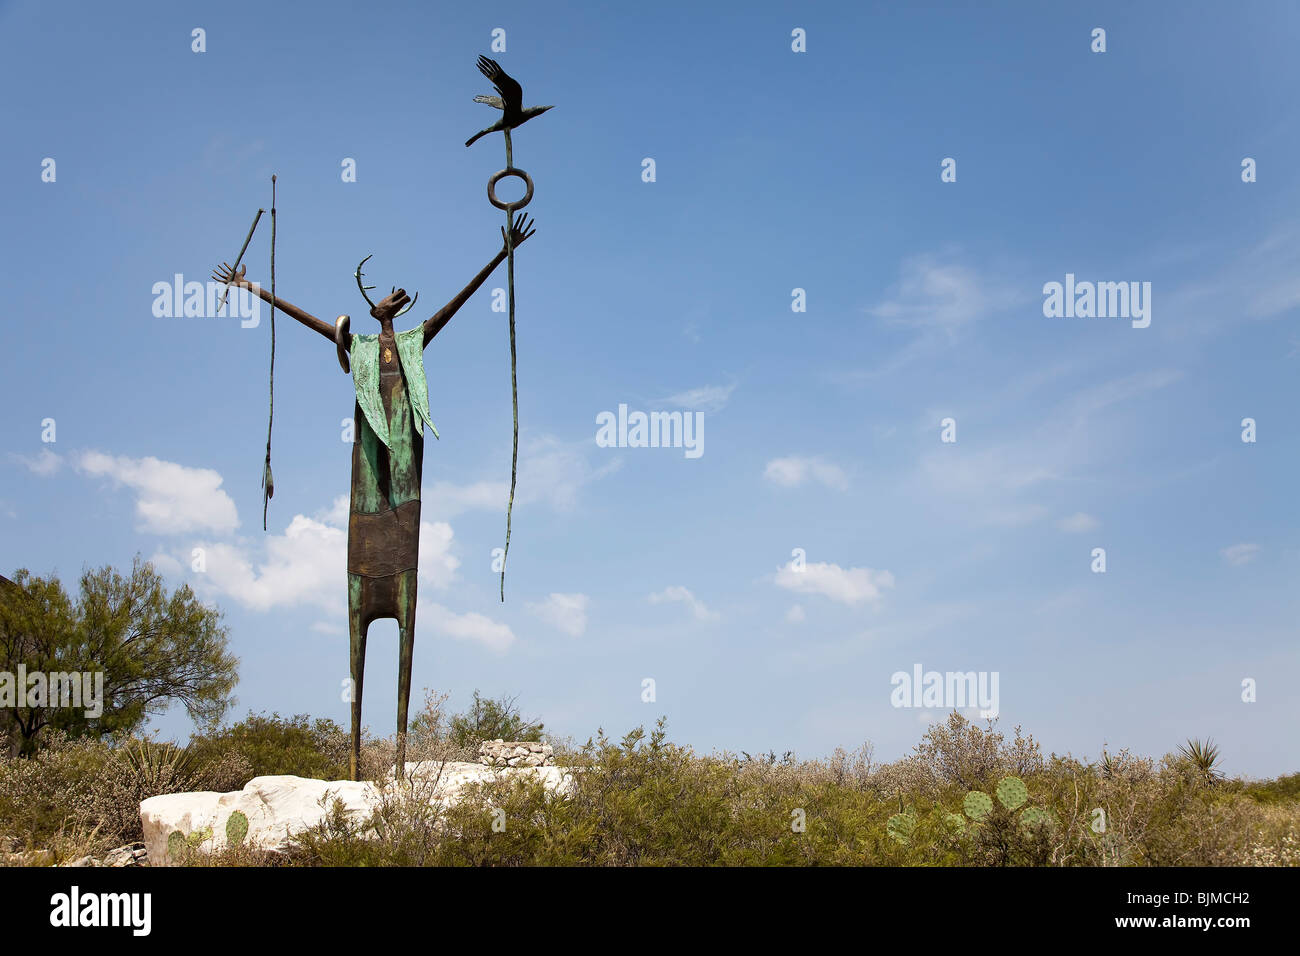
396,298
364,288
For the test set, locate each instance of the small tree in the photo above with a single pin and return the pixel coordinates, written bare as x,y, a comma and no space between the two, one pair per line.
153,649
492,720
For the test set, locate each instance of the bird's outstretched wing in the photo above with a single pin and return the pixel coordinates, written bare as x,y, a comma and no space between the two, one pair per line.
511,92
491,101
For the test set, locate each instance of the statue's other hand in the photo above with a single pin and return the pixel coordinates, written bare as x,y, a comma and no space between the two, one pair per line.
521,230
226,275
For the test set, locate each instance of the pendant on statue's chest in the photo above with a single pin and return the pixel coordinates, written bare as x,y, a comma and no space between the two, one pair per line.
388,356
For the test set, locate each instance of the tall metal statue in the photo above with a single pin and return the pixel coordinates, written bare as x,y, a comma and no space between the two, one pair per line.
391,412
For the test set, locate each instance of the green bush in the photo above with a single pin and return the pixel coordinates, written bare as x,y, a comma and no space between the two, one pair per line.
294,745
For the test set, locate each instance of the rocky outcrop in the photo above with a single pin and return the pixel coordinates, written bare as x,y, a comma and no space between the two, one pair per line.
515,753
269,811
133,854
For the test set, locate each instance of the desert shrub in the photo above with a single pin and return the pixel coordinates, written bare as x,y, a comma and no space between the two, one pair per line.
959,752
271,745
86,793
640,801
1285,789
50,792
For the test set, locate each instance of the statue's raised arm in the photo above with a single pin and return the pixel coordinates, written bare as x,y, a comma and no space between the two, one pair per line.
522,229
225,274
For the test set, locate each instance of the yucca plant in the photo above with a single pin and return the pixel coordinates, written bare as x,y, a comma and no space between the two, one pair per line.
1109,766
159,765
1203,757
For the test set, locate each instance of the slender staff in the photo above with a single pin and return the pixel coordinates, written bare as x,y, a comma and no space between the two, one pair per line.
513,113
514,367
268,482
242,250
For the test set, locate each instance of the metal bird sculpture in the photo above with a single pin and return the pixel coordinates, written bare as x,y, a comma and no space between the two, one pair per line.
510,102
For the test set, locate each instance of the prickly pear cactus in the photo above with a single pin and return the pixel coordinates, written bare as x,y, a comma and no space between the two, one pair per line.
236,828
955,822
181,848
977,805
1012,792
1036,817
901,826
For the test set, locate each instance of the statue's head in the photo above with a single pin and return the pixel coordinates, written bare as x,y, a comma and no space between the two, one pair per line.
391,306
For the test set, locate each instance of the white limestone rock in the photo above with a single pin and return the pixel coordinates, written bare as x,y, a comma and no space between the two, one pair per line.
277,807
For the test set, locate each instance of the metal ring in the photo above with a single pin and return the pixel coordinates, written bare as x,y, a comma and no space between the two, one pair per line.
509,206
341,325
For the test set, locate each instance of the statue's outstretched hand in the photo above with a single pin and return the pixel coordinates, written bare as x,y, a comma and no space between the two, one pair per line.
226,275
521,230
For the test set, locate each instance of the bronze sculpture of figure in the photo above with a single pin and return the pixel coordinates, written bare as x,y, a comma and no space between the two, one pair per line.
391,411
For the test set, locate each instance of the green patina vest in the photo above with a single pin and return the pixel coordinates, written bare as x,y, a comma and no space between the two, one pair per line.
387,456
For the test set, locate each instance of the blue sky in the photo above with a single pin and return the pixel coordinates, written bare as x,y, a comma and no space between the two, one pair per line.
774,171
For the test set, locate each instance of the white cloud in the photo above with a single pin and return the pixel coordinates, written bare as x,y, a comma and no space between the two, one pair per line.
1239,554
437,564
44,464
707,398
303,566
847,586
472,626
794,471
564,612
306,565
336,515
938,293
170,498
1077,523
677,593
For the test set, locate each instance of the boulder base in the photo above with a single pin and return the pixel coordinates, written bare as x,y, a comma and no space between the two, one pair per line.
275,808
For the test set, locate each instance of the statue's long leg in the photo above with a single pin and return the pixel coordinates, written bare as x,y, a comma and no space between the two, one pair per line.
357,629
406,631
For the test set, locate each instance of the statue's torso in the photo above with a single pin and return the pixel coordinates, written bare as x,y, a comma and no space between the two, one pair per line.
384,525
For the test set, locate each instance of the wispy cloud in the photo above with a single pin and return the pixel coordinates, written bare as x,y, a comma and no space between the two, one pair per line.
707,398
1077,523
45,463
935,291
1239,554
793,471
680,594
551,472
564,612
